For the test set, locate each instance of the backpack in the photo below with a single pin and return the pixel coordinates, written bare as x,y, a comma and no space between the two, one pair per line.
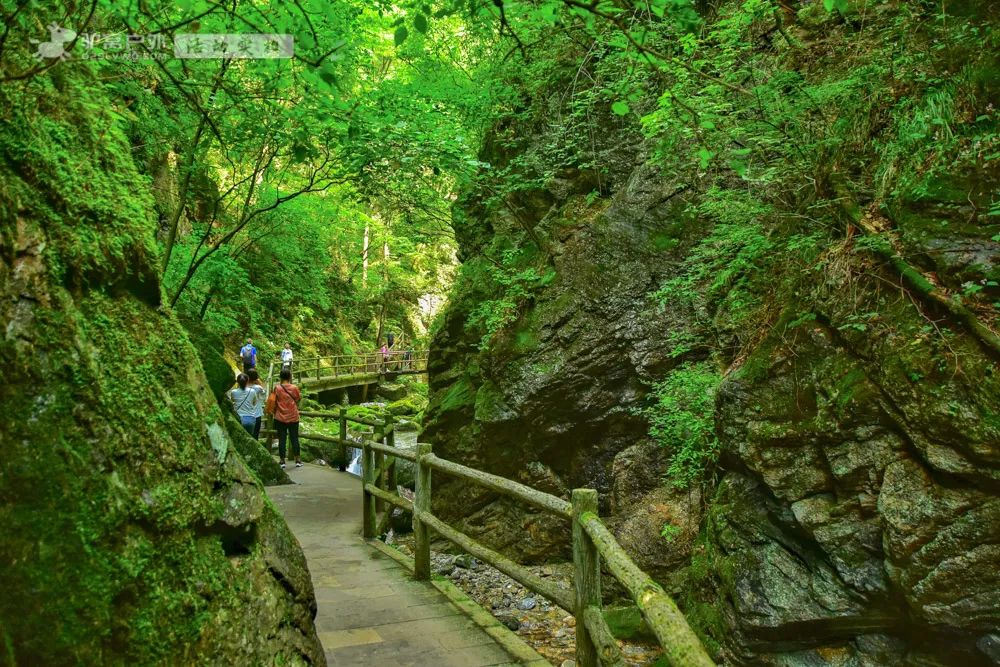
247,354
270,404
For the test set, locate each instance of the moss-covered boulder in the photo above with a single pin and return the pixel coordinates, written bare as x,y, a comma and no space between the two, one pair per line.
254,454
407,406
133,533
391,391
210,349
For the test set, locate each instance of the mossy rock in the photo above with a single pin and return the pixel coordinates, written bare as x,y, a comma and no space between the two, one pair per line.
210,349
411,405
392,391
255,455
459,396
133,534
368,412
627,623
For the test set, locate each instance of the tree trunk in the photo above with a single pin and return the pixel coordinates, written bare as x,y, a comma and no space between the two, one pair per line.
204,304
364,259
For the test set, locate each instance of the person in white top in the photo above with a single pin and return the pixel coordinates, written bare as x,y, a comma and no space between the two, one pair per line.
253,380
286,357
246,400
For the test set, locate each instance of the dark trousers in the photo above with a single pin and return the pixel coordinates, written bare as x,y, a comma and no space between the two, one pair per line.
256,429
284,430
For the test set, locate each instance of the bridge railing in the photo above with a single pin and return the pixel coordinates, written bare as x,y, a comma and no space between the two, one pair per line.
346,365
592,542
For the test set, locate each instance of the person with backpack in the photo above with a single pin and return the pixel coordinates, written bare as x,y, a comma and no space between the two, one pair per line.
248,355
254,381
246,400
283,403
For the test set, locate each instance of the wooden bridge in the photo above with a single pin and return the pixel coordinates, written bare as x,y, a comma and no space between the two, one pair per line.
316,374
593,544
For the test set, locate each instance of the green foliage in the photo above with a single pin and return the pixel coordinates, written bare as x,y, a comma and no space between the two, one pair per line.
682,420
718,274
669,532
516,285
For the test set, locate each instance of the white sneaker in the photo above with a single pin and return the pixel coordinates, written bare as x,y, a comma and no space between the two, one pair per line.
299,464
282,464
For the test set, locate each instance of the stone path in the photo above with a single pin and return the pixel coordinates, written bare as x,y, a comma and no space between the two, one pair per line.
371,612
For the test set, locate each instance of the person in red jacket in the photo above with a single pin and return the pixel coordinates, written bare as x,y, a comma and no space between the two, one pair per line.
286,415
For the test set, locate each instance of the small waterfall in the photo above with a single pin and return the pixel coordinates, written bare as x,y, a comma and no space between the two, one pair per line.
404,440
354,467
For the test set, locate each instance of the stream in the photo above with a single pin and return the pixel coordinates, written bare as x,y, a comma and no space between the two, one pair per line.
404,440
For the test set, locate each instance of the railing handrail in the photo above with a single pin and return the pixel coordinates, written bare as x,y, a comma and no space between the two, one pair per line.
592,541
357,364
540,499
356,355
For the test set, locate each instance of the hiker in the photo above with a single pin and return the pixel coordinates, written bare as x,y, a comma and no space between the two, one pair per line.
284,401
393,357
408,359
254,381
384,351
248,354
246,400
286,357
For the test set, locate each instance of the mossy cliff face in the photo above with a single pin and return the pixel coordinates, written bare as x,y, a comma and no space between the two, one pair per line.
554,400
133,532
852,517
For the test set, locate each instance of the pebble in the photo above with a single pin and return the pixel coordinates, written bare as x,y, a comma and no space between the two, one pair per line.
547,628
466,561
510,621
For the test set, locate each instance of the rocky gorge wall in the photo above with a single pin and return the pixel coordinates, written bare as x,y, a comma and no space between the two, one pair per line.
134,533
851,517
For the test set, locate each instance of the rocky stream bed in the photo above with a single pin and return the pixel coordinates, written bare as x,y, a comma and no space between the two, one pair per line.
549,629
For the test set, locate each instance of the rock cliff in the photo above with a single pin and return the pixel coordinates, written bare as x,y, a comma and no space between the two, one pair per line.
133,531
851,517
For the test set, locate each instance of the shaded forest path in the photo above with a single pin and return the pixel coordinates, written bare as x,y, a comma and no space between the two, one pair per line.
371,611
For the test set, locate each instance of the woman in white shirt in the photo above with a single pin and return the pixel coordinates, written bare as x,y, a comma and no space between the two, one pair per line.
254,381
247,401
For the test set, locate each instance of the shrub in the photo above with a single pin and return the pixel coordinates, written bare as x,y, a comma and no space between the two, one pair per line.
682,419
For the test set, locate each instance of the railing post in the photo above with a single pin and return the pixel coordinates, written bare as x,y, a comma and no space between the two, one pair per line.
379,481
586,576
390,441
317,367
368,500
422,503
343,438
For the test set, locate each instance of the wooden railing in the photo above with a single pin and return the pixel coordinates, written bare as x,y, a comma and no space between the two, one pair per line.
592,542
346,365
384,429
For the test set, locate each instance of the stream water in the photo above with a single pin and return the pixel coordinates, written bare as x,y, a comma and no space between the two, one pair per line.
404,440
